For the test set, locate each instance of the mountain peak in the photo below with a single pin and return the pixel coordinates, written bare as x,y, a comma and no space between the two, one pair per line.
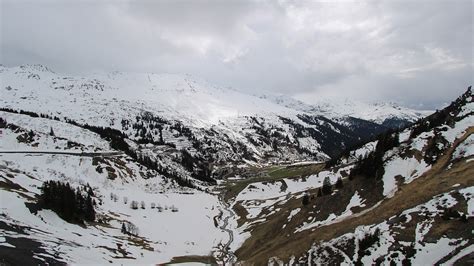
36,67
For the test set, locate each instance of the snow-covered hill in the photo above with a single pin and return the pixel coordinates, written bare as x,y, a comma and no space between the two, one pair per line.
146,150
31,234
382,113
216,127
406,197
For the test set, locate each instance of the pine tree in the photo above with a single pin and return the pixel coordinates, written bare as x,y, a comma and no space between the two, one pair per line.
89,211
320,193
161,136
67,202
51,132
327,188
339,183
305,200
124,229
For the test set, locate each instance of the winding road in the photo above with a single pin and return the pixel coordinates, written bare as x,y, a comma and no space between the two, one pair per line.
86,154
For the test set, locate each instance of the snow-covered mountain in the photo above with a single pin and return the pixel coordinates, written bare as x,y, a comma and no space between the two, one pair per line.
179,113
33,234
183,96
164,168
382,113
404,198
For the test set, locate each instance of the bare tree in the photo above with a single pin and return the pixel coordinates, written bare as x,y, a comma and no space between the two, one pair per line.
134,204
113,197
129,228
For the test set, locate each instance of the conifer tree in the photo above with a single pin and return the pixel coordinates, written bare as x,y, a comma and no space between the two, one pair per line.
327,188
339,183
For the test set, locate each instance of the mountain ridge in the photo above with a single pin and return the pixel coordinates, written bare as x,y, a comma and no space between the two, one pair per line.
209,123
251,185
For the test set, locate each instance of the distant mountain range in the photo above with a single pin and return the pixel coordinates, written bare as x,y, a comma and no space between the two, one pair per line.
214,127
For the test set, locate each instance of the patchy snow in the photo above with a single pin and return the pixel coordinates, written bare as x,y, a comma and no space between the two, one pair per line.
404,136
43,126
3,242
385,241
420,142
268,190
459,129
468,194
468,108
388,249
430,253
466,251
366,149
255,207
168,233
435,205
293,213
408,168
465,148
356,201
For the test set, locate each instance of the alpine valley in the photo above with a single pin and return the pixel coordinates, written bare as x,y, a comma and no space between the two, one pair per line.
131,168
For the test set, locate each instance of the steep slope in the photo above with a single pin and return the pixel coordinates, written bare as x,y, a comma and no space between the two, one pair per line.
186,128
404,198
154,209
144,151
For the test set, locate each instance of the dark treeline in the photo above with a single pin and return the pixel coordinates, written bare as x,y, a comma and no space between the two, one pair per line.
3,123
29,113
372,165
198,168
73,205
444,116
117,141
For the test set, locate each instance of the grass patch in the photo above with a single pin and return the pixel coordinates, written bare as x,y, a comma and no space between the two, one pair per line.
295,171
190,259
270,174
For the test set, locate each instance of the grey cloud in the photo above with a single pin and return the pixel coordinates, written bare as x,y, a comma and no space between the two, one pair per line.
411,52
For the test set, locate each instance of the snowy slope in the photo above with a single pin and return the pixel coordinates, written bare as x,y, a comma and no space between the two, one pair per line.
413,205
105,99
116,182
179,129
388,247
378,112
165,115
180,97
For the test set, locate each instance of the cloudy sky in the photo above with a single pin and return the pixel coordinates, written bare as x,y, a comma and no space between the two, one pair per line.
418,52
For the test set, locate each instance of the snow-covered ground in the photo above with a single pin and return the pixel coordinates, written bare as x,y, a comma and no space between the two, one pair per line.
388,248
406,168
180,223
268,190
189,231
465,149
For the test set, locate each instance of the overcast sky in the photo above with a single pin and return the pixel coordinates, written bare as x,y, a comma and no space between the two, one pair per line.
414,52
